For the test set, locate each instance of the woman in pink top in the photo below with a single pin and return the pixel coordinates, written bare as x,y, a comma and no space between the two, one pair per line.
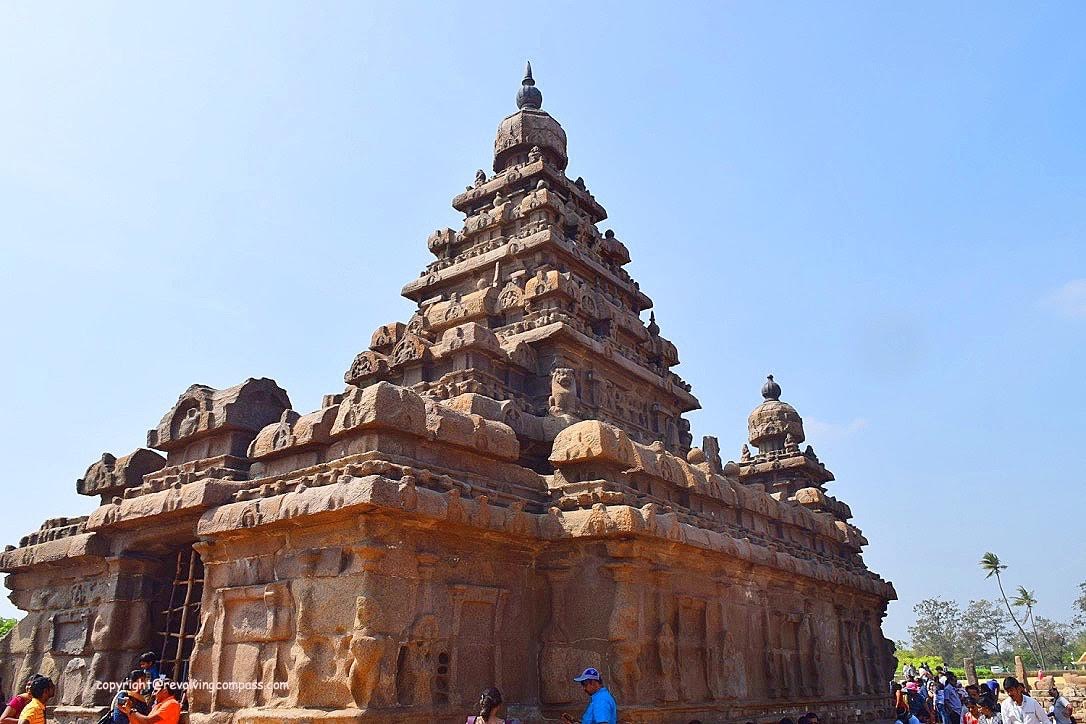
15,706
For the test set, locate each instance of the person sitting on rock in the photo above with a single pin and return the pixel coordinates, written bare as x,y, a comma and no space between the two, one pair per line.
149,663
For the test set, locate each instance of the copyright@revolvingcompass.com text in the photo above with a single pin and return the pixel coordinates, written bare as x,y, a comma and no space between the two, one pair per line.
205,685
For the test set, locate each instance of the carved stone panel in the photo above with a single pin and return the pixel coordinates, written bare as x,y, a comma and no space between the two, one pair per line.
71,631
257,614
477,662
693,677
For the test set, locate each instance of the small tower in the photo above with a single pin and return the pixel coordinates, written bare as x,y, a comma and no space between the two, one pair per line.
776,430
774,426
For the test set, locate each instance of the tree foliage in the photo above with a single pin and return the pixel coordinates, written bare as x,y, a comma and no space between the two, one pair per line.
7,624
992,566
1080,605
937,629
985,632
1026,599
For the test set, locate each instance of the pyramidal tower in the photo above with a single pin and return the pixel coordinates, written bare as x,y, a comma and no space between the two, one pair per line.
527,315
505,493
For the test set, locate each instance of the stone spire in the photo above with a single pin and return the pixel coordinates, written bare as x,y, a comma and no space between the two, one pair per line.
529,97
530,131
527,315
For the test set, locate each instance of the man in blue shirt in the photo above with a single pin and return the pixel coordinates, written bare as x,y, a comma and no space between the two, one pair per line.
601,705
149,663
952,701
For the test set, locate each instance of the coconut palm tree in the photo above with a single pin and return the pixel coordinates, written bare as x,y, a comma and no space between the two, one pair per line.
991,564
1026,599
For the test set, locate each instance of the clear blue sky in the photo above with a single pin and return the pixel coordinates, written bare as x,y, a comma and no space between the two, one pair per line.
881,203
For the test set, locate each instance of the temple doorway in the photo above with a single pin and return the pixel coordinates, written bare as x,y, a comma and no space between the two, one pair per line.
177,615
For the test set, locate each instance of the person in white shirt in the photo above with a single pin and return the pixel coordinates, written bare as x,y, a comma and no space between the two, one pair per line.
1061,708
1018,708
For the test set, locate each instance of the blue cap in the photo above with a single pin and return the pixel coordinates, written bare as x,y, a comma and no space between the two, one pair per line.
589,675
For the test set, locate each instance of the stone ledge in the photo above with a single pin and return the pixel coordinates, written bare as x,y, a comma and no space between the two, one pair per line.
77,714
355,496
175,501
67,549
591,443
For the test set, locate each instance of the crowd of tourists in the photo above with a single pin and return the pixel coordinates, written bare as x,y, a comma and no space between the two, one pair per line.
921,697
146,697
601,707
926,697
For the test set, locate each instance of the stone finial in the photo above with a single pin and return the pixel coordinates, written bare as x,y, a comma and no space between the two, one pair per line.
771,390
529,127
529,97
654,328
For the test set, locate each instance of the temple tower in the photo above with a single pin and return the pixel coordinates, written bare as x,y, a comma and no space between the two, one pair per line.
528,305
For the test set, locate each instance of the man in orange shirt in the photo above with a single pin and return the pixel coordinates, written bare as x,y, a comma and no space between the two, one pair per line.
41,691
167,709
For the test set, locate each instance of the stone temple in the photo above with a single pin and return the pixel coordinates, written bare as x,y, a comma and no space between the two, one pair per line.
504,493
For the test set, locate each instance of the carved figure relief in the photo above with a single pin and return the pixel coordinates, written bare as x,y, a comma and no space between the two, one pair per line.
563,396
367,647
667,647
409,349
189,422
417,663
477,617
510,297
626,644
387,335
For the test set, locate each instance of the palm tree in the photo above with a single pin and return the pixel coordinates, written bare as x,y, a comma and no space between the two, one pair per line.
1027,600
990,563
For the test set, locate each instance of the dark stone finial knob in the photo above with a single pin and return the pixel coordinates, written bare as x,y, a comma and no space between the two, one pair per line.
771,390
529,97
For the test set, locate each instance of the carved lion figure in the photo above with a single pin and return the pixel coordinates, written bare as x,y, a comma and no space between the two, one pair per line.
563,390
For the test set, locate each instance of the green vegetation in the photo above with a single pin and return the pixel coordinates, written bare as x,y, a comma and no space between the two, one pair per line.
992,566
6,624
991,634
908,656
